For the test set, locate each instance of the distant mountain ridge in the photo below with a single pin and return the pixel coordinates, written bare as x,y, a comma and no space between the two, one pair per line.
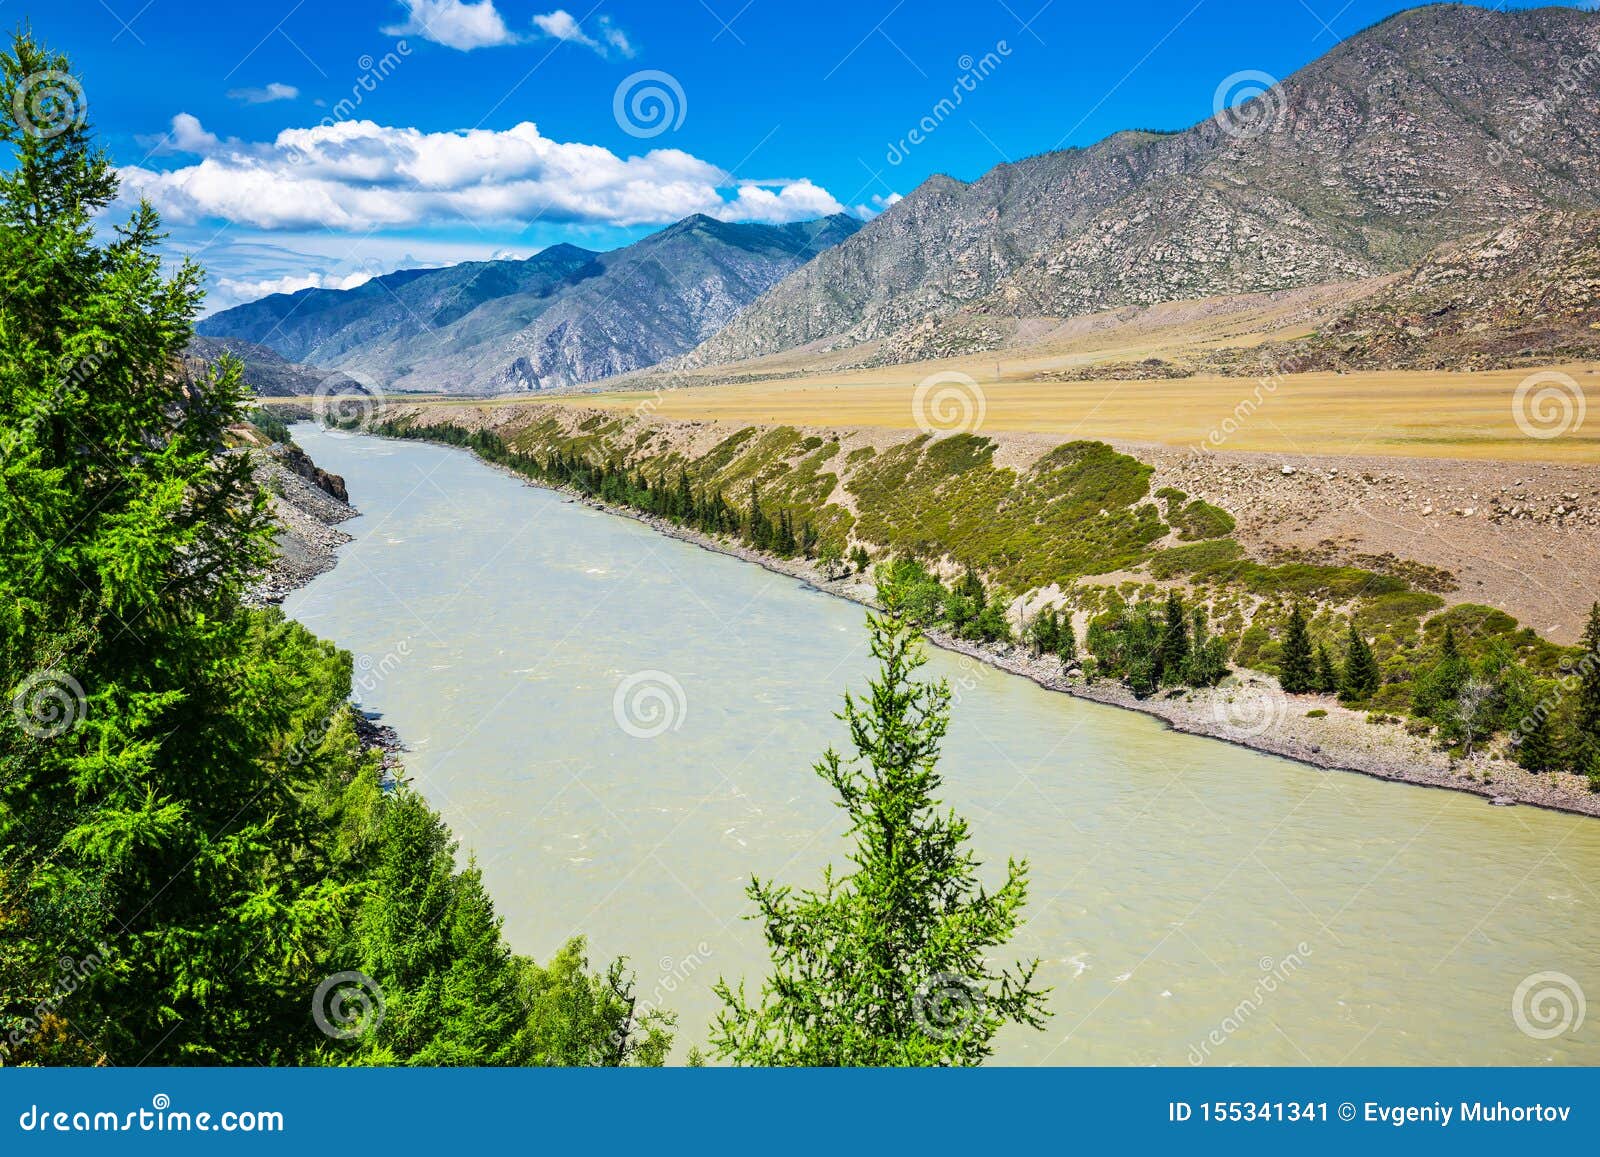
266,371
1435,124
562,317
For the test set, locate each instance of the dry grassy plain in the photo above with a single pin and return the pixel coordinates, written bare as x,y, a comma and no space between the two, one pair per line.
1405,414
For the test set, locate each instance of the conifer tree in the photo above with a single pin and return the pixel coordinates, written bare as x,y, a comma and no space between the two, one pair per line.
1361,676
887,964
1327,676
1586,717
1174,641
1044,632
1536,747
1066,639
1296,666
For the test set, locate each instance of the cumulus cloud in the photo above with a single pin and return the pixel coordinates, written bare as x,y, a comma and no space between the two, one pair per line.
454,23
267,95
562,25
234,290
794,201
186,135
358,175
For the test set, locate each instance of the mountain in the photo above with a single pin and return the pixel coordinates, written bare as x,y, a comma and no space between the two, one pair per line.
562,317
1528,293
1434,124
266,371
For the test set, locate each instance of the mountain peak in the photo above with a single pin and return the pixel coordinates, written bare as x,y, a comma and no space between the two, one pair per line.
1408,135
564,316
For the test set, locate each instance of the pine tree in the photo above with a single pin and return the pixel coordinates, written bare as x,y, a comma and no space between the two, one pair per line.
887,964
1361,676
1044,632
1586,717
1327,674
1174,641
1536,747
1297,674
1066,638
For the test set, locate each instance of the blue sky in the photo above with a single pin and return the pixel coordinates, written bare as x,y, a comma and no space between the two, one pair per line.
297,142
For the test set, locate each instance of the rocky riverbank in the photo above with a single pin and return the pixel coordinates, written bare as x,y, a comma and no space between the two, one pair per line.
308,504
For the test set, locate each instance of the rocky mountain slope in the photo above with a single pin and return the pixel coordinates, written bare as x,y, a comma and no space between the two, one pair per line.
1527,293
1435,124
562,317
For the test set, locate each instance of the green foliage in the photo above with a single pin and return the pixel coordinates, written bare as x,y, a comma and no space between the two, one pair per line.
186,810
965,610
1585,742
1296,670
1361,677
272,427
1326,678
1078,511
887,964
1150,649
1200,520
1536,747
1050,633
1201,562
453,993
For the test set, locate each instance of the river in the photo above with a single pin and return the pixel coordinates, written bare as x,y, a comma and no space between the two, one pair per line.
1191,901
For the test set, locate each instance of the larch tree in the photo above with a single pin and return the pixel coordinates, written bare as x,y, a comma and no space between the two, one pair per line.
888,963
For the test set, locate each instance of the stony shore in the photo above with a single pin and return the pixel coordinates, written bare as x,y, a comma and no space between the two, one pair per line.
308,516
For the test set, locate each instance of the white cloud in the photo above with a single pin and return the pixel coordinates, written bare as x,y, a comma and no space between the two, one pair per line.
233,290
186,136
616,37
358,176
795,201
454,23
562,25
267,95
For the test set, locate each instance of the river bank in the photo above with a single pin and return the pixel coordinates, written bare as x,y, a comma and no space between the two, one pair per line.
1248,709
622,726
